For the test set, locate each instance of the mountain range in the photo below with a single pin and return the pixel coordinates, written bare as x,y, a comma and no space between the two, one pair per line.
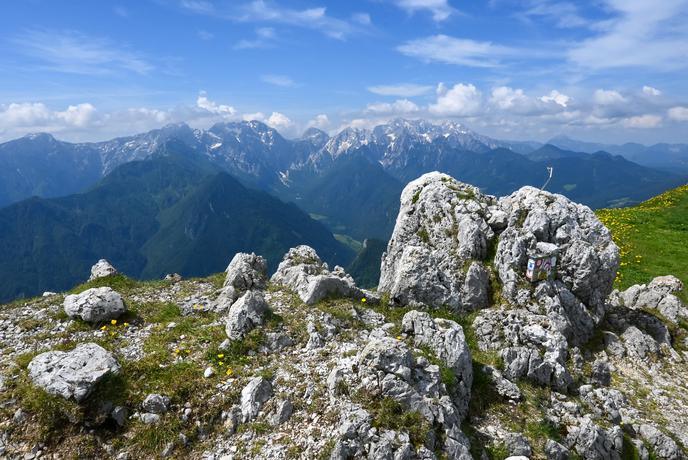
174,212
231,185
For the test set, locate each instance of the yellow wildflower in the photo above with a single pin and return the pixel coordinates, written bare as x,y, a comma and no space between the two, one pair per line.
113,322
104,328
221,355
363,300
229,371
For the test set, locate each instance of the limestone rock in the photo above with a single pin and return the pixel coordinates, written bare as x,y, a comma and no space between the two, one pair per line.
72,374
586,264
302,271
592,442
95,305
446,339
441,226
245,314
156,404
245,272
658,295
253,396
101,269
662,445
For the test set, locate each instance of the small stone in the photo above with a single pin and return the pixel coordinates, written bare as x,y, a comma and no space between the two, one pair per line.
119,415
101,269
253,396
150,419
209,372
156,404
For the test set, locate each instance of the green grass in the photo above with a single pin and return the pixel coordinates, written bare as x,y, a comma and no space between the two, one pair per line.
652,237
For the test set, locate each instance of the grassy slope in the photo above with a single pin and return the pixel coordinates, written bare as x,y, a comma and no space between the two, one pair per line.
653,237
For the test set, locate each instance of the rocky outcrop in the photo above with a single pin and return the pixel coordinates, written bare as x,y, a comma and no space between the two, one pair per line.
72,374
659,295
389,369
245,272
446,340
95,305
101,269
302,271
440,238
245,314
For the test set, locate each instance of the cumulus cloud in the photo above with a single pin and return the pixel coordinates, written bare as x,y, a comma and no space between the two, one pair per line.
36,115
401,107
401,90
650,91
643,121
608,97
320,121
202,102
460,100
276,120
678,113
556,97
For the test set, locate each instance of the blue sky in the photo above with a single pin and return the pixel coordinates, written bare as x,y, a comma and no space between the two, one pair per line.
604,70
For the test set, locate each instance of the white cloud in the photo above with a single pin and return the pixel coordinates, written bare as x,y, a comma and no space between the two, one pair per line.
640,34
678,113
321,121
608,97
265,37
556,97
564,14
440,9
650,91
362,18
401,107
507,98
460,51
276,120
271,12
202,102
74,52
401,89
278,80
460,100
36,115
643,121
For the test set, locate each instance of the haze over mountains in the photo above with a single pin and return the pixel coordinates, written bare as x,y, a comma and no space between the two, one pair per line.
192,189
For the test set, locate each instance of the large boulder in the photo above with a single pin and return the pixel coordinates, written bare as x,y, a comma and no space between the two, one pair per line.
72,374
302,271
101,269
440,237
245,314
95,305
245,272
587,259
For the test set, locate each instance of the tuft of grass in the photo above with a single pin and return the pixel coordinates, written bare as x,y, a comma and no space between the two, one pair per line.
423,235
389,414
119,283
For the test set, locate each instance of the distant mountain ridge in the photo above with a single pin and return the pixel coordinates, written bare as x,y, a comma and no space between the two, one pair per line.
349,181
173,212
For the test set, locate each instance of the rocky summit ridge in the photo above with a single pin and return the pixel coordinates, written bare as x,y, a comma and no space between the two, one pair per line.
495,332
